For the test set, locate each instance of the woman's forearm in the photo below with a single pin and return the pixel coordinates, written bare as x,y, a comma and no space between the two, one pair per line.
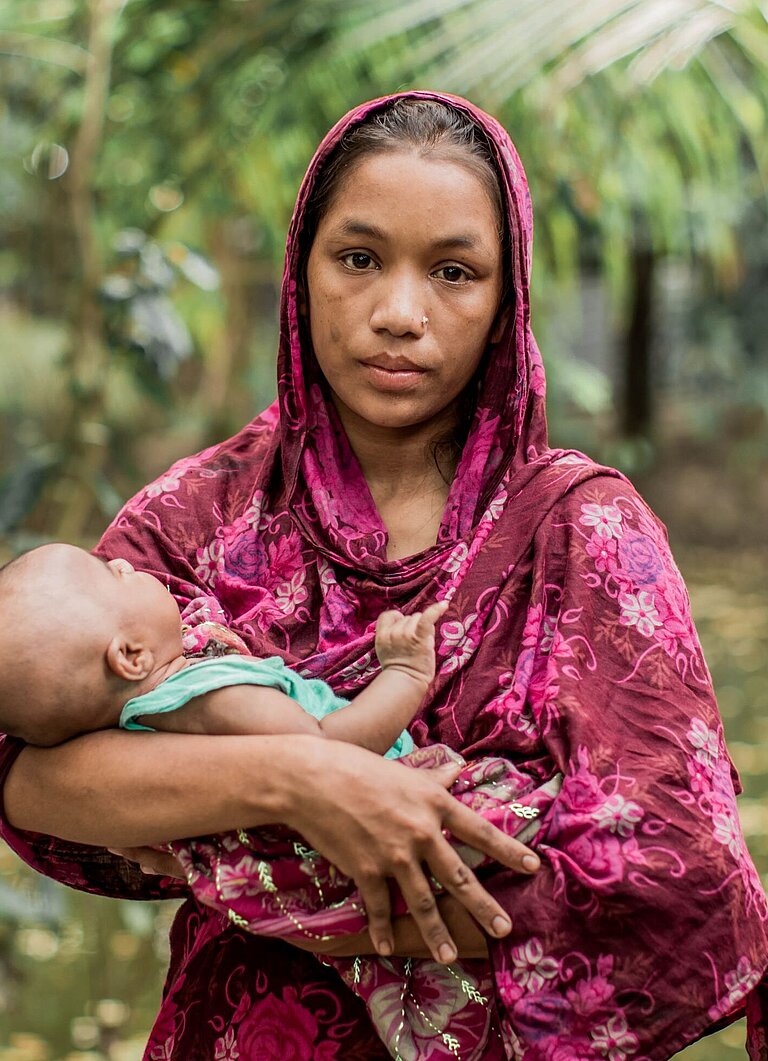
117,789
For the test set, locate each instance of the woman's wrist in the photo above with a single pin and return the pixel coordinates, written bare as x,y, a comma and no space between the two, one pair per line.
297,771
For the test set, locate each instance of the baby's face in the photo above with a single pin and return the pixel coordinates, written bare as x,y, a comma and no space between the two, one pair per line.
142,597
105,595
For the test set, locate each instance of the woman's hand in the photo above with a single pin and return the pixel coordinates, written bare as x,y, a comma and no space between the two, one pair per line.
151,861
376,819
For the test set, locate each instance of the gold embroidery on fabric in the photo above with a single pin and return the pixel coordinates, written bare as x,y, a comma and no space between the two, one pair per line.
522,811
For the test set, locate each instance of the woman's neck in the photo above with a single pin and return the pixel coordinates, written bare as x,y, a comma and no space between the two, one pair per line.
407,485
398,462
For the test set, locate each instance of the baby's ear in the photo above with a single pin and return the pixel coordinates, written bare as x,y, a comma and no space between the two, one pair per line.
129,660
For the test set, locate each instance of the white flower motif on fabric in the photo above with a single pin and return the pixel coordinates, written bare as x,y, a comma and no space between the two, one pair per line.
606,519
166,485
254,515
289,595
738,983
354,670
531,969
456,558
456,643
728,832
706,742
164,1052
614,1040
639,610
226,1047
325,571
210,562
496,506
618,815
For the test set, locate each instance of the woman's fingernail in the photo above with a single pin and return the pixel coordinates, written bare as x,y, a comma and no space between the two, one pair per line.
384,947
446,953
501,925
531,863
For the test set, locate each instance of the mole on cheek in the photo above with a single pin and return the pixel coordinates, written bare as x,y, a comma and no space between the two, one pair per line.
335,333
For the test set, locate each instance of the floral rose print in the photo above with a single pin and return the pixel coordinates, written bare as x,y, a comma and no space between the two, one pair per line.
569,648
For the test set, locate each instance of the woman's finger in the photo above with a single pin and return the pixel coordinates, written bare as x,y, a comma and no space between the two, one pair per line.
460,882
446,774
375,895
479,833
423,908
431,614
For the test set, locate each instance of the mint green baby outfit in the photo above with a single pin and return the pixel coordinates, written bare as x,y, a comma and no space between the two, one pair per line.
314,696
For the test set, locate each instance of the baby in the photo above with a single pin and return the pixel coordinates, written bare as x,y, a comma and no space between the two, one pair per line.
90,644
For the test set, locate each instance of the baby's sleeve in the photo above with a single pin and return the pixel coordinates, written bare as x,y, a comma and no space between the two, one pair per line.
204,677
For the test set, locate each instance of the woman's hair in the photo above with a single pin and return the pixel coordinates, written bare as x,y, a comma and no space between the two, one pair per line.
431,129
428,127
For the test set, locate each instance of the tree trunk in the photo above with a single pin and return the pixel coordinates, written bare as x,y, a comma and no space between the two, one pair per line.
637,407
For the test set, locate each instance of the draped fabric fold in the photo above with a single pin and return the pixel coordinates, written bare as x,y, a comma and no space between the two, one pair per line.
567,648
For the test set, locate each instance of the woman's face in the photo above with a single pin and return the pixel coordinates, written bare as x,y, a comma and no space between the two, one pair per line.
405,238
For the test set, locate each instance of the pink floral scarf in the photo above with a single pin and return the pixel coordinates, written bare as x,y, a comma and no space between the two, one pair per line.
567,648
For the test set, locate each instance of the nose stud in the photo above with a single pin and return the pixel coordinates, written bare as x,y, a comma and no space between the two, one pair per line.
424,321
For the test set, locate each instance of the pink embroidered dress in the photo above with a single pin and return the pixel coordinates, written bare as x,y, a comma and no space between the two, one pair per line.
567,649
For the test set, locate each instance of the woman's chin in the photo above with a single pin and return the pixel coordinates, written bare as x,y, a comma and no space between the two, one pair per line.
391,412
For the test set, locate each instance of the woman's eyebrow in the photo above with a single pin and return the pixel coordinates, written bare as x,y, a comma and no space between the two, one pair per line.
463,242
353,227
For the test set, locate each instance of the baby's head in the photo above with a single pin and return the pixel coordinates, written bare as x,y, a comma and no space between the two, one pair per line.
81,637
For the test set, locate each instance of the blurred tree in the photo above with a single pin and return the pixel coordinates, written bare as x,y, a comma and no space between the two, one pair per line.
642,126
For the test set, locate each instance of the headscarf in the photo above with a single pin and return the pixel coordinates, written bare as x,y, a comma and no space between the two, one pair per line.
567,647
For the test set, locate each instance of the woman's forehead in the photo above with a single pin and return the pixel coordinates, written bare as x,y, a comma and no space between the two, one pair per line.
401,189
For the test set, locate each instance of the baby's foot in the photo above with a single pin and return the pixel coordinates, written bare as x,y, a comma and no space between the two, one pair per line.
408,641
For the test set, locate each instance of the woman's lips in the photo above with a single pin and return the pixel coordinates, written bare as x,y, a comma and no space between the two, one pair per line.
392,379
392,373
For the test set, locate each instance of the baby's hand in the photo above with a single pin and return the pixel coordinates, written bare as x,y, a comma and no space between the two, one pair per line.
408,641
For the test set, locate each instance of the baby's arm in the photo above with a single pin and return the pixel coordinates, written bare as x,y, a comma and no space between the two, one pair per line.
237,710
405,645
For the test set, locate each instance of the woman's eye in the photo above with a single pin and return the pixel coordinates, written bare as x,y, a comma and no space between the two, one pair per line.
358,260
454,274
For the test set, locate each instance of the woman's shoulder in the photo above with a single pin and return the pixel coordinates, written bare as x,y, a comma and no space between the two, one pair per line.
595,493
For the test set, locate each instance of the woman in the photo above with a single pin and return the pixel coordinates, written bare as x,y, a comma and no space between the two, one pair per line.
406,460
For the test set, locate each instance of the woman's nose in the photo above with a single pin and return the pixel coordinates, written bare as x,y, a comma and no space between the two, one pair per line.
400,307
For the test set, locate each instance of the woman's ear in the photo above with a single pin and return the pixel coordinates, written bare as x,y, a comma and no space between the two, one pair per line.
131,661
